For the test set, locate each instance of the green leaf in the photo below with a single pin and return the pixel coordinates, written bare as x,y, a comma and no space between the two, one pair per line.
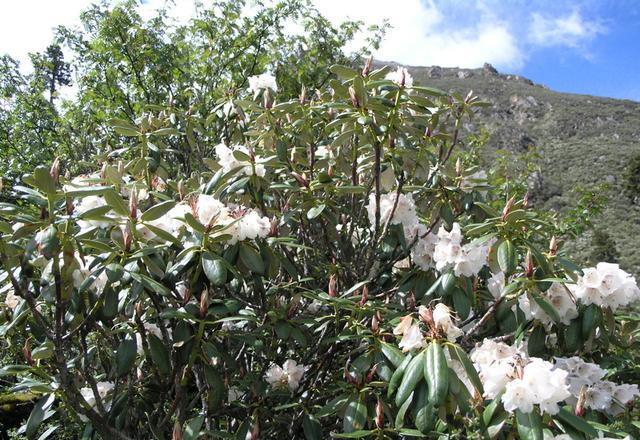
315,211
159,354
43,180
126,356
392,353
507,259
461,303
356,434
399,421
529,425
447,282
536,343
576,422
114,272
43,351
214,268
355,415
396,378
116,202
412,375
436,373
459,354
251,258
157,211
545,305
126,131
311,427
38,414
343,72
45,435
192,428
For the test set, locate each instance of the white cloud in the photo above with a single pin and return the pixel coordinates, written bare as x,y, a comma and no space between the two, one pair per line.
27,25
422,35
571,30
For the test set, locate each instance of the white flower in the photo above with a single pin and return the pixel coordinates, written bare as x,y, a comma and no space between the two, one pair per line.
289,375
12,300
403,327
228,160
495,284
171,222
444,322
412,339
84,271
400,76
606,285
558,297
86,204
540,384
422,251
250,226
465,260
211,211
405,212
263,81
600,395
103,390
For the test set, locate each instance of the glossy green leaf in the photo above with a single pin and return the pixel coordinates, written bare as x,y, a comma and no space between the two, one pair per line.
126,356
529,425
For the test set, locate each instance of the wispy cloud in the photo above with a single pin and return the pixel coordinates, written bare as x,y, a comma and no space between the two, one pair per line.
422,33
571,30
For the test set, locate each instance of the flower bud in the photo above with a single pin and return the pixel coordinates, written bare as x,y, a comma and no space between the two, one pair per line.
333,286
68,204
177,431
411,301
138,309
255,432
26,352
371,373
458,167
300,179
121,169
365,295
375,324
367,66
133,204
428,133
128,237
582,397
553,246
525,201
528,263
354,98
54,172
103,171
379,414
266,99
303,95
507,208
181,189
204,303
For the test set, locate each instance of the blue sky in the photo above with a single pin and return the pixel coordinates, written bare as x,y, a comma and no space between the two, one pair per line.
589,46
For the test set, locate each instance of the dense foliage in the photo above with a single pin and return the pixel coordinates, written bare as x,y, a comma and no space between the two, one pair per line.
243,263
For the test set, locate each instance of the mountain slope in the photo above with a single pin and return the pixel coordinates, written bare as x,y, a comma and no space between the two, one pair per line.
582,140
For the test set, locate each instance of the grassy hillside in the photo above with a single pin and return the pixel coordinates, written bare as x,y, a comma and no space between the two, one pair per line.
582,140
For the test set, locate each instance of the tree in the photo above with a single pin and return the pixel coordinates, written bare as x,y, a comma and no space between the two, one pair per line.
51,68
603,247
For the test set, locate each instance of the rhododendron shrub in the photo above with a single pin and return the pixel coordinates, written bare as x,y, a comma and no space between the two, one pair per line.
343,269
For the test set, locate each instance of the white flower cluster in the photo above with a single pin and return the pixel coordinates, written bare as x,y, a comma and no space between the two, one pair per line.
263,81
83,271
400,76
443,251
405,214
228,160
444,322
103,390
449,252
600,395
12,300
559,298
289,375
86,204
412,338
606,285
525,381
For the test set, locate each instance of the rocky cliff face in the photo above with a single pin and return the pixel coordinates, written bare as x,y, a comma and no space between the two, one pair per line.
582,140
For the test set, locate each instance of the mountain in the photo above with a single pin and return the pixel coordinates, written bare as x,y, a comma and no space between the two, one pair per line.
583,141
